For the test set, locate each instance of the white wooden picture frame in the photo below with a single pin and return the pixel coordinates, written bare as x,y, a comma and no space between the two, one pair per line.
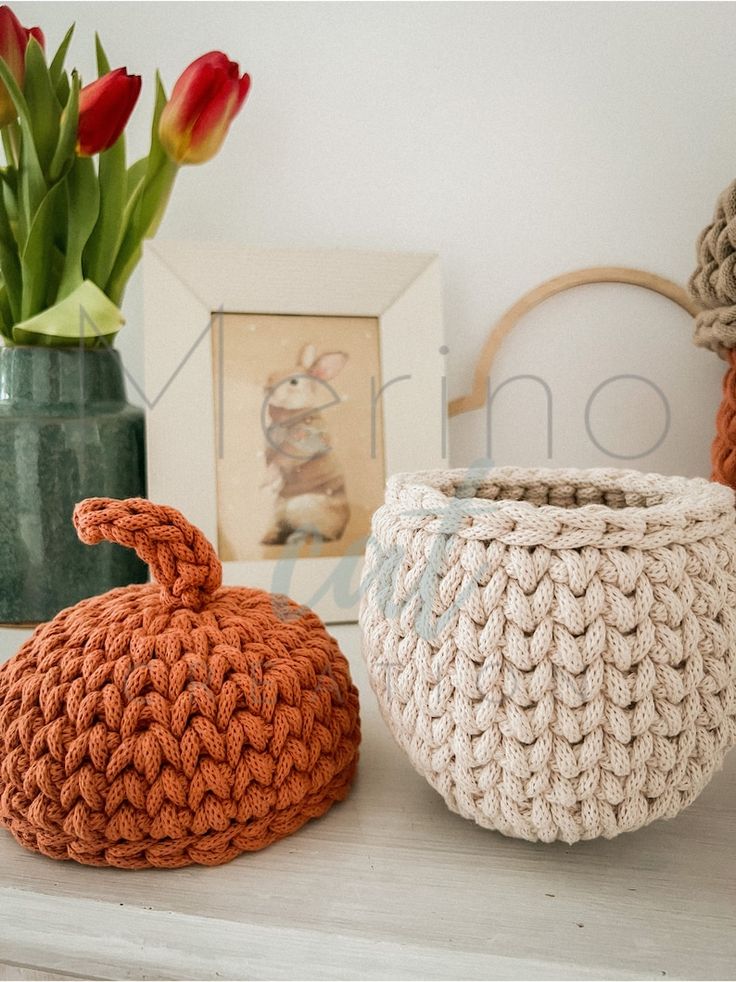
185,283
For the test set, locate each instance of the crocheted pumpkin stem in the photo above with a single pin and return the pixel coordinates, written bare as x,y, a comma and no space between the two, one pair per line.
179,556
723,449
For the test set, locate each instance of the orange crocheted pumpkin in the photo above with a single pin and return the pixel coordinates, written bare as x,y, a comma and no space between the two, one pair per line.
163,725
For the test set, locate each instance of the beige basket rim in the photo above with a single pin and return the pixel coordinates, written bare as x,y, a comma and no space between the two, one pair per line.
676,501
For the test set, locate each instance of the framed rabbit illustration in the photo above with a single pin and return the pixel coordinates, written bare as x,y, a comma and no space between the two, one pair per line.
311,500
283,388
301,449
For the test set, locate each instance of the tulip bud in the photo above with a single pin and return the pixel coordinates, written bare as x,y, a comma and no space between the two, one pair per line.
37,33
104,110
13,42
204,101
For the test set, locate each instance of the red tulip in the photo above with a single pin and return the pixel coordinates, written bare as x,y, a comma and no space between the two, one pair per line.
104,109
13,42
205,99
37,33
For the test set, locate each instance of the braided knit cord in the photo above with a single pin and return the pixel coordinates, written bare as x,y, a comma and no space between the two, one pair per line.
713,284
713,287
555,650
723,449
170,724
179,556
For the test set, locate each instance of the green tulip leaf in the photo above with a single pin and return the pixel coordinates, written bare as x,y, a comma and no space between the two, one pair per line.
10,266
64,155
150,199
136,173
10,204
135,179
11,143
62,89
103,245
15,93
135,183
105,240
41,98
86,316
6,315
36,254
157,172
9,177
33,185
83,208
56,68
103,65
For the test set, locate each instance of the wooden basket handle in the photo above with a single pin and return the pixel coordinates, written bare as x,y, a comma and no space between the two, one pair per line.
476,398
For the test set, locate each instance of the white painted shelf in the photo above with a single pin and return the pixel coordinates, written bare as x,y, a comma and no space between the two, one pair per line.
390,884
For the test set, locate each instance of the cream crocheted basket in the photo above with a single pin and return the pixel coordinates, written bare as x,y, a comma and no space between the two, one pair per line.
555,650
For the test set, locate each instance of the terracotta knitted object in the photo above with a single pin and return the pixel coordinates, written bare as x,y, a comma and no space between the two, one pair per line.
723,448
164,725
713,287
555,650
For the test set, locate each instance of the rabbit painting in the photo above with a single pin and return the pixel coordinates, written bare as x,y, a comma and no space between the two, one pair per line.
303,469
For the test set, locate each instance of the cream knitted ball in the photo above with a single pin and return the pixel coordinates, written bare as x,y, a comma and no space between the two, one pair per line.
555,649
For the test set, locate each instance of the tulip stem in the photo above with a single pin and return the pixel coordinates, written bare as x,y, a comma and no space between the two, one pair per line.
143,225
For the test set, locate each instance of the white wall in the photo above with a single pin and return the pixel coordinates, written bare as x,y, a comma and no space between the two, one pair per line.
517,140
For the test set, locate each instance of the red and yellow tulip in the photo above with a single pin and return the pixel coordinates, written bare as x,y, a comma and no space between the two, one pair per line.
204,101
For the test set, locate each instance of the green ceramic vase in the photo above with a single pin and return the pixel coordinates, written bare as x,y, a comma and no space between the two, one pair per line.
66,433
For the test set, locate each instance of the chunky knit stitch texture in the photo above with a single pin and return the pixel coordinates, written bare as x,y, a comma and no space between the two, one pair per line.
723,448
163,725
713,284
713,287
555,650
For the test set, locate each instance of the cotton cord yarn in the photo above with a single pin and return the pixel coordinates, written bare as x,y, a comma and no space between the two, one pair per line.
723,448
172,723
713,284
555,650
713,287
